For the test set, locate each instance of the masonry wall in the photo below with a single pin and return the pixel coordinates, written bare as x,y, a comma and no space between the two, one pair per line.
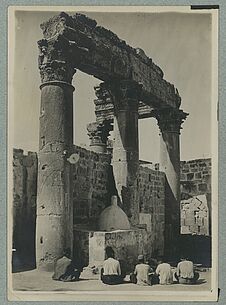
152,207
194,216
128,245
152,200
24,206
195,177
196,180
92,186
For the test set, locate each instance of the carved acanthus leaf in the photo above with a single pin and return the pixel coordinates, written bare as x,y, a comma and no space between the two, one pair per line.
169,119
54,60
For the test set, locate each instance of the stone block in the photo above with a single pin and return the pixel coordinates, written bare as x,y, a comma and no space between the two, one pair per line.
127,244
185,230
185,170
198,175
190,176
146,219
202,187
205,172
182,176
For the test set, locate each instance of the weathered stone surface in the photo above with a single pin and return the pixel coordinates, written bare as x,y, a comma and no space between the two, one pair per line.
195,216
52,238
169,121
125,159
113,218
152,207
198,172
97,51
132,80
96,248
92,186
98,134
127,244
54,229
198,183
56,116
24,206
104,110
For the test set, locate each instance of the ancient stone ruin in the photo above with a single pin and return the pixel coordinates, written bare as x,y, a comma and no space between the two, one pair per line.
92,188
132,88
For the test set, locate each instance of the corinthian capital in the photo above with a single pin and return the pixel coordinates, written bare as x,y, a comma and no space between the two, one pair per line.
170,119
99,132
54,60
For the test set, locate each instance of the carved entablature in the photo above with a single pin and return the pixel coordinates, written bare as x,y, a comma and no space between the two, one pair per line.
104,107
124,93
102,94
79,42
54,61
99,132
170,120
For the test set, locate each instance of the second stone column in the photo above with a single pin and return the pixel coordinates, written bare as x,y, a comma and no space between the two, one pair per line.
170,121
125,162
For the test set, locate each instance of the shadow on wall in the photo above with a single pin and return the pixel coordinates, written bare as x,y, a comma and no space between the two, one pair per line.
197,248
172,223
24,210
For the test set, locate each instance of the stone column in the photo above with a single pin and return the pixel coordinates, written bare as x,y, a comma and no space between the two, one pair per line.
125,162
98,134
169,121
54,225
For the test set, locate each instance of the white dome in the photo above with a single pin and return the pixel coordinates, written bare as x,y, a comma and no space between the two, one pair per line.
113,218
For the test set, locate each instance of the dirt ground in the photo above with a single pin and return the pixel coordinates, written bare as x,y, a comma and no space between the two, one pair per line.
35,280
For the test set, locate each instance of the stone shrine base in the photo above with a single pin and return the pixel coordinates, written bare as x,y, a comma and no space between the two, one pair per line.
127,244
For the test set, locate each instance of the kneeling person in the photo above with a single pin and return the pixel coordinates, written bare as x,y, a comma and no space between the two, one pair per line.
142,273
185,273
164,272
111,271
65,270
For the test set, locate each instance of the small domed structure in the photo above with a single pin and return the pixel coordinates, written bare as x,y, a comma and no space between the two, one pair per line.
113,218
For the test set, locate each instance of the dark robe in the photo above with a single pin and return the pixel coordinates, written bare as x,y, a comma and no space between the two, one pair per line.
65,271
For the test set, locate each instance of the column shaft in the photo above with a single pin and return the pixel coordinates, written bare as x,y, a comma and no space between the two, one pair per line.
54,228
170,161
125,160
169,121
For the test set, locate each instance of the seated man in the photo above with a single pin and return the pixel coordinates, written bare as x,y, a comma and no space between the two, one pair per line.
142,273
185,272
164,272
111,271
64,269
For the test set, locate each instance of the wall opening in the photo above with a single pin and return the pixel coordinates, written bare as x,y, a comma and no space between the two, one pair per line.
84,108
149,140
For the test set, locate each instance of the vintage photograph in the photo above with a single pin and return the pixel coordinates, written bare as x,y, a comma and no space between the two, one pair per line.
112,153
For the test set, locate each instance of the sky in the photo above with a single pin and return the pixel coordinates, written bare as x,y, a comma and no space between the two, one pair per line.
177,42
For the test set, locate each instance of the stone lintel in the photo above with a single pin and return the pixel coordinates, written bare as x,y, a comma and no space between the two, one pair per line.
104,106
105,111
82,44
